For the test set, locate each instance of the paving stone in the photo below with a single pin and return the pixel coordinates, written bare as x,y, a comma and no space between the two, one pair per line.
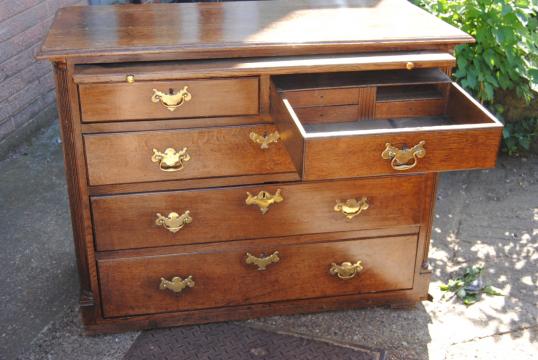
520,345
63,339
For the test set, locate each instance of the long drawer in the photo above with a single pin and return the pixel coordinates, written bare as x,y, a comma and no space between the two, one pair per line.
200,216
121,158
254,272
143,100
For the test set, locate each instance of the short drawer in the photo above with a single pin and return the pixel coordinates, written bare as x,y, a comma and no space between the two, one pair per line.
121,158
143,100
427,126
210,277
202,216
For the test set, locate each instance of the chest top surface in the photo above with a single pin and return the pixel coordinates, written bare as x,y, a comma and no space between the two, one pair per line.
244,28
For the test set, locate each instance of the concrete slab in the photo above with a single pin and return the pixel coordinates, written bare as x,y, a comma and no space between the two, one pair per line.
39,279
63,340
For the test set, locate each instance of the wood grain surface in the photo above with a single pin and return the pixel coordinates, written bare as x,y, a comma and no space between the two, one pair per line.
123,101
244,29
467,138
120,158
131,285
128,221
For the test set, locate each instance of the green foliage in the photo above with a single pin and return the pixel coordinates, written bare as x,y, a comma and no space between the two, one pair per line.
519,135
505,55
469,287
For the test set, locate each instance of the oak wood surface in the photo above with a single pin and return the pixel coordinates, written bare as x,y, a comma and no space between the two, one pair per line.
128,221
409,108
210,97
469,141
244,28
173,124
265,66
233,53
131,286
189,184
120,158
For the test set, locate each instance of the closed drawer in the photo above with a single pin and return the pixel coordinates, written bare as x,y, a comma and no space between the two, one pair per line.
130,221
190,98
222,276
133,157
429,128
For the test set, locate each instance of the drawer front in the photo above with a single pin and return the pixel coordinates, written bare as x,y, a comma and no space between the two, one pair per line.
139,100
131,286
130,221
129,157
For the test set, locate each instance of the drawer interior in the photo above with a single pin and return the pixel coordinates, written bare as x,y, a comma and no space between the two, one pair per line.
383,122
375,100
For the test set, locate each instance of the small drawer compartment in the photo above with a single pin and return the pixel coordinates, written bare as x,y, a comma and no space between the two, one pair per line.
419,122
253,272
145,100
248,212
134,157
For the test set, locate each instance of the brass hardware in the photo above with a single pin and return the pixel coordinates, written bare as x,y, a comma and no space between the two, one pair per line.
170,160
130,78
177,284
264,200
346,270
262,262
265,140
401,158
352,207
410,65
174,222
172,100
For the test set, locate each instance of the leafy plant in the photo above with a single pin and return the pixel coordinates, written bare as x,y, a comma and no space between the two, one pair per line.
519,135
469,287
505,55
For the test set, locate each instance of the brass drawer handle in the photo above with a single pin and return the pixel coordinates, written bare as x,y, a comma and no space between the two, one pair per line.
262,262
264,200
265,139
404,159
170,159
172,100
174,222
352,207
177,284
346,270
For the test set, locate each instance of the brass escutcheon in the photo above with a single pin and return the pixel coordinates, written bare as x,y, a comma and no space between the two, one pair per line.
404,159
174,222
177,284
171,100
170,159
262,262
264,200
265,139
346,270
352,207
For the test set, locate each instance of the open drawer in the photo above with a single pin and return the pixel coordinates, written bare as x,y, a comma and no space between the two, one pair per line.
342,126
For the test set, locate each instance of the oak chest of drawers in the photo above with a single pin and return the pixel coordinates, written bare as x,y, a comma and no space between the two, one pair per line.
244,159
